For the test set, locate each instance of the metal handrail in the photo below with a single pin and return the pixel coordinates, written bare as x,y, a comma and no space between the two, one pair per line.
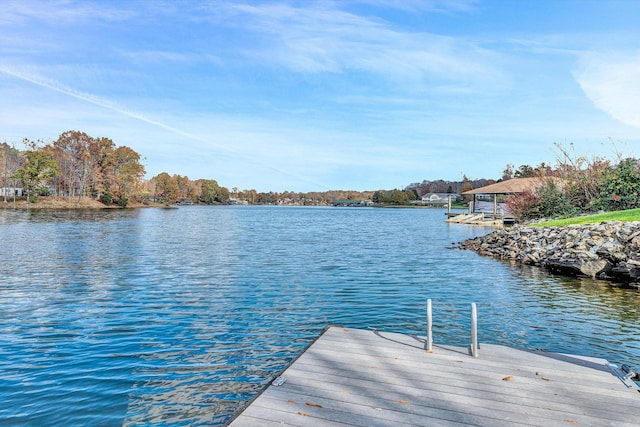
474,330
474,347
429,327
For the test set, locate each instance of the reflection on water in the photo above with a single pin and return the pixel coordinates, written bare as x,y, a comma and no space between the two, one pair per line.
178,317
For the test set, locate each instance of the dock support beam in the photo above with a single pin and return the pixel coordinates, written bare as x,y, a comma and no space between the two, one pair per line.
474,330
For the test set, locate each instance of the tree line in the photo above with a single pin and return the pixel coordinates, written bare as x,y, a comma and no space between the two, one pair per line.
450,187
77,166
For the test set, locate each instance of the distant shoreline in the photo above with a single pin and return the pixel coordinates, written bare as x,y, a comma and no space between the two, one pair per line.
52,203
61,203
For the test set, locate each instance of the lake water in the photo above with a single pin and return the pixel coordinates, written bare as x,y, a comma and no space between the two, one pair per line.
176,317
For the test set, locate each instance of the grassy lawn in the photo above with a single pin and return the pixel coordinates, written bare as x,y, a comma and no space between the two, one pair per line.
627,216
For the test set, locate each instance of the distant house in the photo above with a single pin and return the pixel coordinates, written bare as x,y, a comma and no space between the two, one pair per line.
438,199
10,191
236,201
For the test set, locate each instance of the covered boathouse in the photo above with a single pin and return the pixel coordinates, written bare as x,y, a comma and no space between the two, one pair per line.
490,200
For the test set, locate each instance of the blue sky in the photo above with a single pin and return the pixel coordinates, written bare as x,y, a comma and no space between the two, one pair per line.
317,95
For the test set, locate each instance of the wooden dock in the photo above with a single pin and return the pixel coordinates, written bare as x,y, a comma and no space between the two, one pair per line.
475,219
351,377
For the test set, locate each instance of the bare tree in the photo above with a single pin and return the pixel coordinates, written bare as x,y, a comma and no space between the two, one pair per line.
74,150
582,176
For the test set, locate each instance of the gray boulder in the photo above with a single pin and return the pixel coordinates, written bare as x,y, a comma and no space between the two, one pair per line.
607,251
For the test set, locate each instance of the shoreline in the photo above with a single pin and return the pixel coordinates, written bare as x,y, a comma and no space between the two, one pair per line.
606,251
52,203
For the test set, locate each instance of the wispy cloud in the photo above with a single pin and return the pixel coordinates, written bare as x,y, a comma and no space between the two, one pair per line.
424,5
309,37
325,38
165,56
611,83
61,12
101,102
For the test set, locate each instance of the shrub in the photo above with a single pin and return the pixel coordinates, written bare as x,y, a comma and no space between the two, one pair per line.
106,198
42,191
524,205
123,201
547,201
553,203
620,186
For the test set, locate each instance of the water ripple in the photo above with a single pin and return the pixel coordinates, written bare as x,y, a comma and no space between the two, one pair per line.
178,317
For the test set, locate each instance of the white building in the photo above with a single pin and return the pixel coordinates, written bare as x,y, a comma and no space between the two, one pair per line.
438,199
10,191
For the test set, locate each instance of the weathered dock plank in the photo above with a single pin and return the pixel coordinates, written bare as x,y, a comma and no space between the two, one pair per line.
353,377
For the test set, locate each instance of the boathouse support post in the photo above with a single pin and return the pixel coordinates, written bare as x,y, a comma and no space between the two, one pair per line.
474,330
429,342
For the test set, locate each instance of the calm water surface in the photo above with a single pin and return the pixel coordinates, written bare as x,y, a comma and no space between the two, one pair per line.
177,317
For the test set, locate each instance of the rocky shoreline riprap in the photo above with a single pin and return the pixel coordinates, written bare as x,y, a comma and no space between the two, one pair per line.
607,251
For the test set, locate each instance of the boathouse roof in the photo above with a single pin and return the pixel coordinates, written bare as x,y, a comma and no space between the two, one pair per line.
511,186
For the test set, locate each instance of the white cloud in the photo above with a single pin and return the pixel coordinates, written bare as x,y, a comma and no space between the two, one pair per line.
612,84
